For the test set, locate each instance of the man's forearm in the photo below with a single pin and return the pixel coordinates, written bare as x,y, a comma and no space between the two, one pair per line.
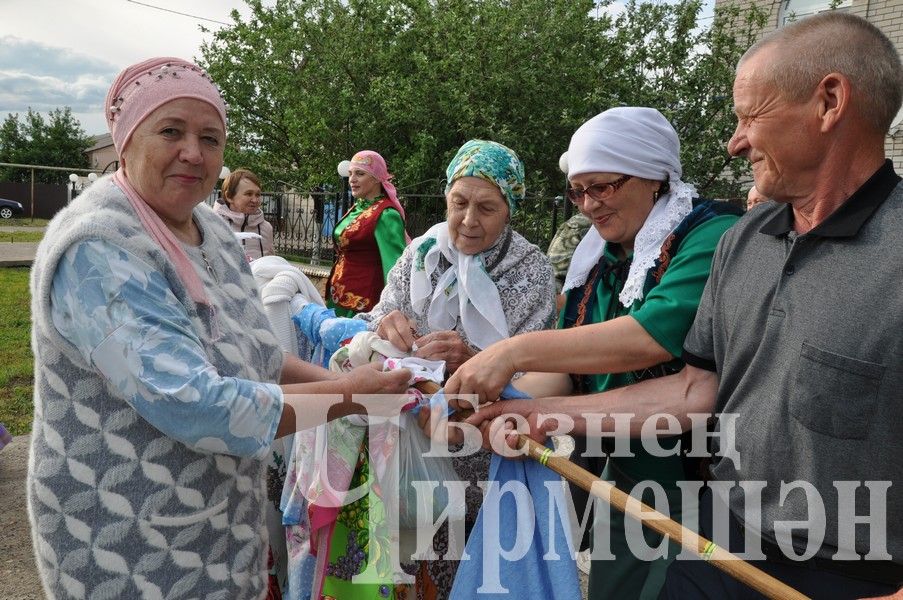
690,391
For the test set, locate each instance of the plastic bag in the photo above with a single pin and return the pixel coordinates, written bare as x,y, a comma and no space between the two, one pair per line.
414,465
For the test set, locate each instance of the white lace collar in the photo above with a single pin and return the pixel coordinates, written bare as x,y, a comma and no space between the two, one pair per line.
665,216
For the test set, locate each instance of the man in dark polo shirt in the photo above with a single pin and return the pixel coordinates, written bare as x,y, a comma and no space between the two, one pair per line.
799,334
801,323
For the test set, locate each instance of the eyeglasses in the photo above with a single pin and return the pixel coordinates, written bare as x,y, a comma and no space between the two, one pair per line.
599,191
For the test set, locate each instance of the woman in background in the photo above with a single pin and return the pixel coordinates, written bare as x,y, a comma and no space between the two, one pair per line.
369,238
240,207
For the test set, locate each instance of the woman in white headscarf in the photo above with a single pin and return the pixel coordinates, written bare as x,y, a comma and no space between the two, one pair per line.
632,291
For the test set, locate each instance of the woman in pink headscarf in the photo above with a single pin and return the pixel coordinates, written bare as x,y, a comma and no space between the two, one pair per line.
369,238
157,378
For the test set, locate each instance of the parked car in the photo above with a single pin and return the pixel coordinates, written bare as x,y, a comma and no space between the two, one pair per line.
9,208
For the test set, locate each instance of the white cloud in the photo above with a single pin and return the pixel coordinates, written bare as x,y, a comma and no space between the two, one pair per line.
36,57
55,54
19,90
43,77
42,92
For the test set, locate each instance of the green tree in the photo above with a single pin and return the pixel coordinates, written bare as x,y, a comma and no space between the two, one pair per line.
58,141
310,81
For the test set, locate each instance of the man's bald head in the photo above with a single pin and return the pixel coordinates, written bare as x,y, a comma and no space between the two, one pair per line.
805,51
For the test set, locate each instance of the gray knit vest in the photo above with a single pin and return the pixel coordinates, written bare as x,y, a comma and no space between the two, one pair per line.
117,508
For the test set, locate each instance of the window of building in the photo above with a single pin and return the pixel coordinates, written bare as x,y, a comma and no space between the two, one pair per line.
793,10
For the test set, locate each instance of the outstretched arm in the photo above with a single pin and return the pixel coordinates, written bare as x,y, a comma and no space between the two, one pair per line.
614,346
295,370
691,391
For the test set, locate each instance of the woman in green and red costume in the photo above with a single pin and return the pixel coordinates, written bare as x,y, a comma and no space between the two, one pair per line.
369,238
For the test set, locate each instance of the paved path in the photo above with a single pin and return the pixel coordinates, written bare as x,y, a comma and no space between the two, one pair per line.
18,574
14,228
17,254
21,254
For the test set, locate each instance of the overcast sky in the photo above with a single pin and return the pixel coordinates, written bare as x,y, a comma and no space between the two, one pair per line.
56,53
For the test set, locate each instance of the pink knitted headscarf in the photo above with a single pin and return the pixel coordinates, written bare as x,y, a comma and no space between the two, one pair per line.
137,92
144,87
375,165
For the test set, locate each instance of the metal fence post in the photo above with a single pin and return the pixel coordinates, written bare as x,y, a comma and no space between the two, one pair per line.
32,195
556,202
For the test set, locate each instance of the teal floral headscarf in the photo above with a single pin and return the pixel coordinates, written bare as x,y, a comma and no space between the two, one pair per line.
495,163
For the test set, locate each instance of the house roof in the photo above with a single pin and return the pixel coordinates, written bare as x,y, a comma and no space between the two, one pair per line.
100,142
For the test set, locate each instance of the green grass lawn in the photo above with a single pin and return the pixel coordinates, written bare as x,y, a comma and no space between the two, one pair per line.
16,360
23,222
21,236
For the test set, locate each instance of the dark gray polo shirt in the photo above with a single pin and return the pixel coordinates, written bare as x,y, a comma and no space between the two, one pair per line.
806,335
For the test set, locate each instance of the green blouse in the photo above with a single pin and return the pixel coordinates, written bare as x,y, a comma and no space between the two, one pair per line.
668,310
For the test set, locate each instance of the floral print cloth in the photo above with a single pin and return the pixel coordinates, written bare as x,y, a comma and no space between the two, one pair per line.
328,526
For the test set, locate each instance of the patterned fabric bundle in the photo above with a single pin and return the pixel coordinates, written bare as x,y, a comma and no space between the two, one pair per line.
323,480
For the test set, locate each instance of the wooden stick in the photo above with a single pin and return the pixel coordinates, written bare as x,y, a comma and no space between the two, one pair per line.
726,561
648,516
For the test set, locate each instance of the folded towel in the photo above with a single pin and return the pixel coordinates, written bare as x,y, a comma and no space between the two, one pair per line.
501,563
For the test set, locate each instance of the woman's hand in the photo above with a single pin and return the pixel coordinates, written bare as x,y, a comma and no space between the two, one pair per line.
448,430
371,379
381,393
444,345
397,329
366,390
486,374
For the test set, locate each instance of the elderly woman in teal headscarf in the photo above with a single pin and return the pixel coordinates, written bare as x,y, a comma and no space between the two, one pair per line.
466,283
471,280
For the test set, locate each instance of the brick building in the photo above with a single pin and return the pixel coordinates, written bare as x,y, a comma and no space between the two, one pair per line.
887,15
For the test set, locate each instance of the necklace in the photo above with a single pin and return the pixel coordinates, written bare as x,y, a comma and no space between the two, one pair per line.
209,267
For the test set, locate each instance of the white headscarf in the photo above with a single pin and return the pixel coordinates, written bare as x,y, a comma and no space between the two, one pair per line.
464,289
639,142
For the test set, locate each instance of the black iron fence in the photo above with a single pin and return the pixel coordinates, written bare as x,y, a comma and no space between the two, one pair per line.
303,222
